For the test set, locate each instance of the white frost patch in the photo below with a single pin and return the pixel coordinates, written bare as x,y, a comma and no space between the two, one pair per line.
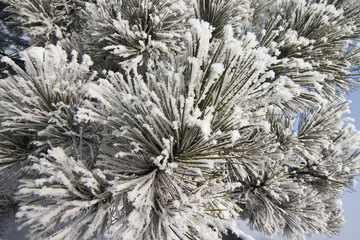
235,135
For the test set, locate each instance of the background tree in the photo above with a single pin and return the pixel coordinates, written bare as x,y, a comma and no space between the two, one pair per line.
12,39
167,119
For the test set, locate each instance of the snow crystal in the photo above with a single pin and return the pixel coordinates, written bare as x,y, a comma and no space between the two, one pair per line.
235,136
203,32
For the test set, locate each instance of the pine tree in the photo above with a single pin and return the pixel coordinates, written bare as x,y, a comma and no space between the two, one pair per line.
168,119
11,40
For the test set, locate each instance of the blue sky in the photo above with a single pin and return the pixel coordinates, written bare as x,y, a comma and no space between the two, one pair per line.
351,200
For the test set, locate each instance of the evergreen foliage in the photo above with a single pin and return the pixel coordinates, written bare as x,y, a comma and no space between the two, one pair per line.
11,40
167,119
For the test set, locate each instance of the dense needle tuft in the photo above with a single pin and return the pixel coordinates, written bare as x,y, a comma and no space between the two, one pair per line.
164,119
